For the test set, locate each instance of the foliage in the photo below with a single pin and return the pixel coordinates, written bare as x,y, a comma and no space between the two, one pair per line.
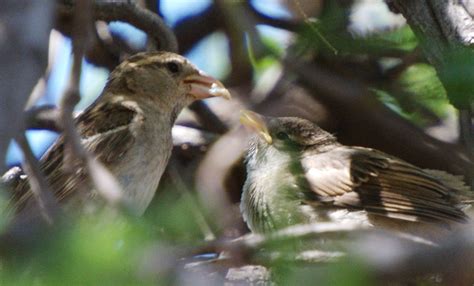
109,248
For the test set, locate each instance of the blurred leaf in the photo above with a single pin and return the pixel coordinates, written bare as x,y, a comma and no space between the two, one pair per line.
390,102
272,45
401,39
174,219
325,34
274,52
93,251
418,95
421,82
457,76
332,28
108,248
339,274
388,43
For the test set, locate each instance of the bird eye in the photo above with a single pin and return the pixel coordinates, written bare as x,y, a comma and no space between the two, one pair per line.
173,67
282,136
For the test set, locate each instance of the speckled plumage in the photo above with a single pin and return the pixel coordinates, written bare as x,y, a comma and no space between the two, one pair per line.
301,174
128,129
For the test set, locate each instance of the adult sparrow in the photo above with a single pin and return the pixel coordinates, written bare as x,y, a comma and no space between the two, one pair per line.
128,129
298,173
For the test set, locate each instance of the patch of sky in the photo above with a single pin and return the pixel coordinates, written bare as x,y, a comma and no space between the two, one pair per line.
135,37
59,75
271,8
211,55
92,82
280,36
368,16
39,142
175,10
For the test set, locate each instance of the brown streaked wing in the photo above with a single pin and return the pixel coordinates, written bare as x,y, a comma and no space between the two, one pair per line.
105,131
364,178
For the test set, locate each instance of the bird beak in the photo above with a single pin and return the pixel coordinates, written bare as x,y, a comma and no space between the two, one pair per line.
255,122
204,86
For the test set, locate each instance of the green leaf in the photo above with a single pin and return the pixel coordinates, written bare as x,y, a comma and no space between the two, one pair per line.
422,82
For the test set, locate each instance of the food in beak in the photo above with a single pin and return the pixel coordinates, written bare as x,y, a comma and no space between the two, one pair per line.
255,122
204,86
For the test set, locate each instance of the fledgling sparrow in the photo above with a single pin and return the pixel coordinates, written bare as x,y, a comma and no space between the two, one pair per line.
298,173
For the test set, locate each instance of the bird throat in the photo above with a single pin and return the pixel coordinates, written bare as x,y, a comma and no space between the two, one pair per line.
271,197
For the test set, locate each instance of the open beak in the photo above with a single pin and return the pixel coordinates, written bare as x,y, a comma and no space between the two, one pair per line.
204,86
255,122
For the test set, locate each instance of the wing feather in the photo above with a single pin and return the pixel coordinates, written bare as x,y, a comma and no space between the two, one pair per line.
106,132
364,178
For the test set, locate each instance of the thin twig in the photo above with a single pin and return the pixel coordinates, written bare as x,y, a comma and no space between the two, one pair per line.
39,186
244,248
296,232
43,117
274,22
252,241
313,27
81,25
105,183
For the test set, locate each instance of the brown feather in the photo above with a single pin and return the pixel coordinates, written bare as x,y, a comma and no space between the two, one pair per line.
380,184
112,137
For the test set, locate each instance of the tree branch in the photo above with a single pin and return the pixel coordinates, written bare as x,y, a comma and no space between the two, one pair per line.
43,117
104,182
274,22
128,11
39,186
192,29
209,120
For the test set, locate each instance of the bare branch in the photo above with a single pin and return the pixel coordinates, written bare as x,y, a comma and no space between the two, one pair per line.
296,232
274,22
39,186
43,117
104,182
81,27
209,120
252,247
128,11
192,29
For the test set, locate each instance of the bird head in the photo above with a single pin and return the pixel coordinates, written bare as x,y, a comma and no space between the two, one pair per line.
286,133
165,78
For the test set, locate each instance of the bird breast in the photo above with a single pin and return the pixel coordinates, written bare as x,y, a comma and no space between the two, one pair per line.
145,162
269,198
